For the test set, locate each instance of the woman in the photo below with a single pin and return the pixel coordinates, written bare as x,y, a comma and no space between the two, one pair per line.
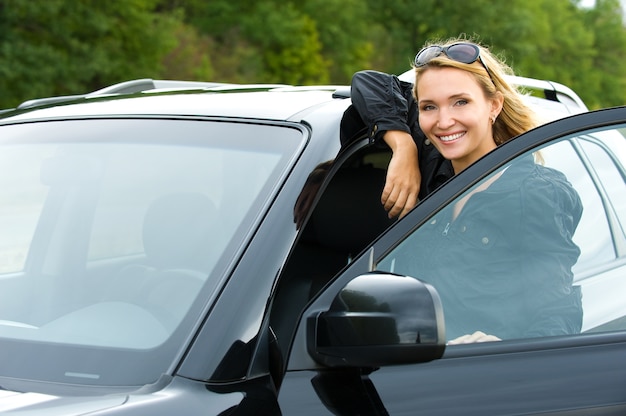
493,283
387,105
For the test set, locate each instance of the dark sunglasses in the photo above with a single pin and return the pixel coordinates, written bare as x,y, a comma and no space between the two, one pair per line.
466,53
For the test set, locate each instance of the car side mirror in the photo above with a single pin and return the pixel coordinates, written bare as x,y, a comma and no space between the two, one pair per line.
379,319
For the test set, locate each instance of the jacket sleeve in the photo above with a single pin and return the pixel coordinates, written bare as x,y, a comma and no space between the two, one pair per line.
383,102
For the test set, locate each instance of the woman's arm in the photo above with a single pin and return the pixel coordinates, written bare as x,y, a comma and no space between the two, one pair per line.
383,102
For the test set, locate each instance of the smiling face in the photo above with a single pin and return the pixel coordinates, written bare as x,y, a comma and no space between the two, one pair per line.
455,114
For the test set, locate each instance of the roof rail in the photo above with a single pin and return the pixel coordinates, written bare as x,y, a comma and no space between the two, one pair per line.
126,87
148,84
49,100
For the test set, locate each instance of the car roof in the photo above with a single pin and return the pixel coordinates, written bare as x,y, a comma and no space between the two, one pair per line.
148,97
176,98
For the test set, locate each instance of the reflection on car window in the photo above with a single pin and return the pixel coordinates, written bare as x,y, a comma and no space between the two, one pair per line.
21,200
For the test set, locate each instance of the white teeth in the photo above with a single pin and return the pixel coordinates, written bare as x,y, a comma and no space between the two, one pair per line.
451,137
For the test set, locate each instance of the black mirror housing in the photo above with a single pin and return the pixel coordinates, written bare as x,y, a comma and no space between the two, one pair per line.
379,319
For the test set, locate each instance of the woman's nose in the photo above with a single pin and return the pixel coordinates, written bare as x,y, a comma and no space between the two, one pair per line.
444,119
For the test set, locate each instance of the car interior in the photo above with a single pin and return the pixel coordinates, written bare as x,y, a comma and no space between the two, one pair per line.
346,218
176,227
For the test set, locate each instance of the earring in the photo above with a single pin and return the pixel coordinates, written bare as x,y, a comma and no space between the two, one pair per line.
493,119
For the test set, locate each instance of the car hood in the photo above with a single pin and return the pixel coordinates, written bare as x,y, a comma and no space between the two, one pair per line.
26,404
169,397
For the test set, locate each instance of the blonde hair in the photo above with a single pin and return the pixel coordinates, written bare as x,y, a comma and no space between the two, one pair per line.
516,117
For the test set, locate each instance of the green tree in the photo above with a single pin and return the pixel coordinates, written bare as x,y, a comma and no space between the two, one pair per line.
550,39
322,40
271,42
190,58
347,38
562,46
606,82
291,52
57,47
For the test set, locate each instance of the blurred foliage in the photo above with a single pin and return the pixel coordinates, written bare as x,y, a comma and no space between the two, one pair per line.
52,47
61,47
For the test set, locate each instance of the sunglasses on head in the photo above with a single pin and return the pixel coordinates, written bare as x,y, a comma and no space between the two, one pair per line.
464,52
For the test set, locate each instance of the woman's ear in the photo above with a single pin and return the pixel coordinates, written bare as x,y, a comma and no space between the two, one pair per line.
496,103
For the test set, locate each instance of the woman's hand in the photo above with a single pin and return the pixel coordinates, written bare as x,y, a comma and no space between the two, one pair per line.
477,336
403,175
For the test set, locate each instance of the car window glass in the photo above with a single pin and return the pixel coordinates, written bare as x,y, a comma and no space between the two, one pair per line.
530,251
592,234
605,309
608,169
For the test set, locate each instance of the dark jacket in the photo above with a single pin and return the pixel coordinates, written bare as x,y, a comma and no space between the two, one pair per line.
504,264
385,103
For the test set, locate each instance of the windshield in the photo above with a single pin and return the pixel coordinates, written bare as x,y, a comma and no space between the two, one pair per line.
117,233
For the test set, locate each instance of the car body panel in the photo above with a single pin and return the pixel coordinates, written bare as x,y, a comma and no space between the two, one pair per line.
533,379
166,397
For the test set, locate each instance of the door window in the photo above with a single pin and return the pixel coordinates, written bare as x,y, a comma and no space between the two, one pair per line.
532,250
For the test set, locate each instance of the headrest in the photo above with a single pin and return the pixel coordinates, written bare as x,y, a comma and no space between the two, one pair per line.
177,229
349,214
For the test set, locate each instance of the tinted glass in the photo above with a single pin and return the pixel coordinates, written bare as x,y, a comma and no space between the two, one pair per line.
593,235
606,157
534,249
111,230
